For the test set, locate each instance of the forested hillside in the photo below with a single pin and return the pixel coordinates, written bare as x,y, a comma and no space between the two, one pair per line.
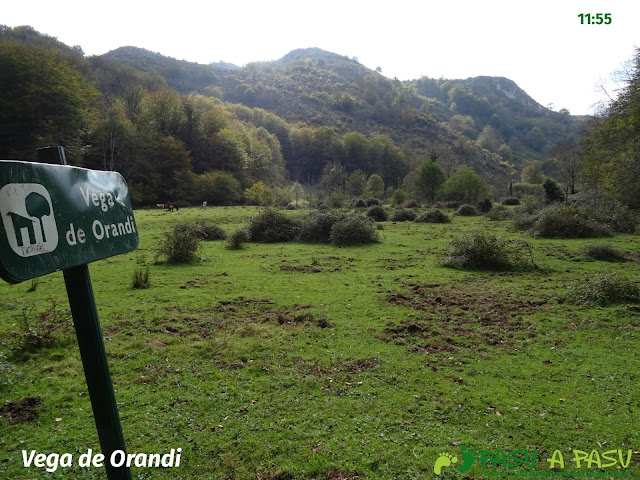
179,130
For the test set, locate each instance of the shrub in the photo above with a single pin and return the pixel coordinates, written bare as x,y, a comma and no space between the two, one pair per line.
180,244
412,204
41,330
316,228
617,217
499,212
603,289
210,232
552,191
359,203
271,226
372,201
353,230
291,206
485,251
434,216
604,252
336,199
467,210
378,213
567,222
511,201
485,205
403,215
141,278
237,239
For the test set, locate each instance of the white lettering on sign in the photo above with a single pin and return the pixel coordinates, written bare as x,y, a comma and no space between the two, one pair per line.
109,230
28,219
104,200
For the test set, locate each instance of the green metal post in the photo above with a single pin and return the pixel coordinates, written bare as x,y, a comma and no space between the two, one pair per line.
92,351
96,367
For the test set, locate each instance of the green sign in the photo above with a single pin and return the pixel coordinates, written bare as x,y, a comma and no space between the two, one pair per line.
56,217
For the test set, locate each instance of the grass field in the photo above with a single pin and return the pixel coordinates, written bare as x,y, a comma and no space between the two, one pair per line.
307,361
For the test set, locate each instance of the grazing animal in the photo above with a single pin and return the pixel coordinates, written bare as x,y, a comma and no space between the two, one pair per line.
172,206
160,206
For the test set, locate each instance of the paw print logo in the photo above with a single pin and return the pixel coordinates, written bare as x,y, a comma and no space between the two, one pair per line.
444,460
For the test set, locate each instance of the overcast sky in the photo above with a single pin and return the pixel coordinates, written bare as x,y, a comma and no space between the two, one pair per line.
540,45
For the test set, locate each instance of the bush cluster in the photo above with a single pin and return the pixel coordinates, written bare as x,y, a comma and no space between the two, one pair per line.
412,204
237,239
499,212
403,215
210,231
271,226
378,213
353,230
316,228
567,222
485,205
359,203
372,201
603,289
604,252
486,251
585,219
467,210
180,244
434,216
511,201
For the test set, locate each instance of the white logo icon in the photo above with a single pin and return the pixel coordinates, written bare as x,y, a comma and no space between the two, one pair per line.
27,215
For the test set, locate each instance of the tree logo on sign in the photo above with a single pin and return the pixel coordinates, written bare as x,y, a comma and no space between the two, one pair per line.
28,219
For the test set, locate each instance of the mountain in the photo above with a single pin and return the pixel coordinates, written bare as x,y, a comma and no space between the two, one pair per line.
323,88
295,118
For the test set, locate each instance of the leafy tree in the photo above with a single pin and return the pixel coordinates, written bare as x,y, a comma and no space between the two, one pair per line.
375,185
612,161
533,173
399,197
259,194
297,192
552,192
464,186
43,101
428,180
357,183
218,188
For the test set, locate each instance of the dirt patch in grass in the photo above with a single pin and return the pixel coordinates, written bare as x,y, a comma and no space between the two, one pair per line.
361,365
461,319
21,411
300,268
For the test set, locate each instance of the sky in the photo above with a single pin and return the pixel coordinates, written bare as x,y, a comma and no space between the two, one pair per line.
542,45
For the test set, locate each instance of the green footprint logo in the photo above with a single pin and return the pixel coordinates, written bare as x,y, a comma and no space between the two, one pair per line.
468,457
444,460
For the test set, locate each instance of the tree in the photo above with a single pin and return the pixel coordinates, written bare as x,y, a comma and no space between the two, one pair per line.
357,183
375,186
552,192
43,101
533,173
429,178
464,186
610,148
218,188
568,163
297,191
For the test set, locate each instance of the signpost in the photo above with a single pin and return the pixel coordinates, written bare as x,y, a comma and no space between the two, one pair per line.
59,217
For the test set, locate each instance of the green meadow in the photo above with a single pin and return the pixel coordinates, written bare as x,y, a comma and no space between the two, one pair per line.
307,361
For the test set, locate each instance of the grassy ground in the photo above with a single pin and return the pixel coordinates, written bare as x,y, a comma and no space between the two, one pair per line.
313,361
